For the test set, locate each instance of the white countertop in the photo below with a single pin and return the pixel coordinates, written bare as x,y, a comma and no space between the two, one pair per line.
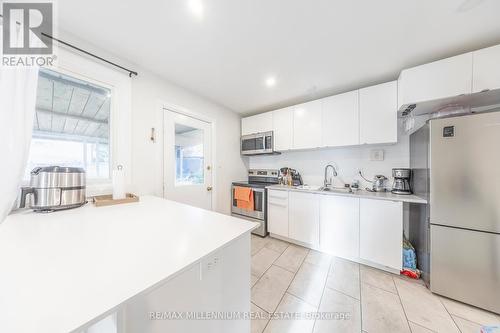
357,193
59,271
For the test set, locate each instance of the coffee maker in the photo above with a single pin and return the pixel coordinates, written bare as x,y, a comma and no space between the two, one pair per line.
401,181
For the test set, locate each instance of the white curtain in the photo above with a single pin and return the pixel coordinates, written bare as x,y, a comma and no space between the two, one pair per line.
18,87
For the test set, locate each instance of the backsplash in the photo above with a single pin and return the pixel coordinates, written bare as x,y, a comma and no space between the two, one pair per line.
347,160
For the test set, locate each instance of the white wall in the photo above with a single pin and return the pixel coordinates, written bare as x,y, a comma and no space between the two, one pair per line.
148,91
348,160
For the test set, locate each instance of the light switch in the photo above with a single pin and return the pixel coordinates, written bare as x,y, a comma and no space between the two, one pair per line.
377,155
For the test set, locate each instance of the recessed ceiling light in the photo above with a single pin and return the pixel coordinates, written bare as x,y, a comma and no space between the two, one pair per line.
196,7
271,81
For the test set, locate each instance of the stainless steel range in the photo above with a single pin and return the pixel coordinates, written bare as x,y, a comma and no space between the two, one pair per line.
258,179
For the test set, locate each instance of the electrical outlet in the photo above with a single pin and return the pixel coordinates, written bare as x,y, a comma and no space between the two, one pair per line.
208,265
377,155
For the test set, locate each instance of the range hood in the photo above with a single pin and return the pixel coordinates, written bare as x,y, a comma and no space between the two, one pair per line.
416,115
467,103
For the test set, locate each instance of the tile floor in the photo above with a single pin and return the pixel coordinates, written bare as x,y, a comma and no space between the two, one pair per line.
291,279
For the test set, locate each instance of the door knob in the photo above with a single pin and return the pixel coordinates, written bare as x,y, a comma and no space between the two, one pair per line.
209,188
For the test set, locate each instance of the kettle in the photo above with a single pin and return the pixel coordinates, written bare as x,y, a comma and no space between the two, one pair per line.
379,183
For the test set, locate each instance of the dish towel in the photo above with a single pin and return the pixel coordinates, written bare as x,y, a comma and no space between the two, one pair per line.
244,197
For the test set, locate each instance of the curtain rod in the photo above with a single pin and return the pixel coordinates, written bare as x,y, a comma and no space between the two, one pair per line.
130,72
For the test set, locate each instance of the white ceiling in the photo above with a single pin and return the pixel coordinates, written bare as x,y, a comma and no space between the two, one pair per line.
314,48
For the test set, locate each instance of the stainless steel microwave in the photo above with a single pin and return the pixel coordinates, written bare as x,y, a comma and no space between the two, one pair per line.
257,144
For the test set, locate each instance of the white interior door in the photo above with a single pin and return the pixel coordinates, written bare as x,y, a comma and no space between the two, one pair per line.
187,160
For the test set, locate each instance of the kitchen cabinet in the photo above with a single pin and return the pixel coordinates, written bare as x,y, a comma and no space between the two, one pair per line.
378,119
381,232
277,212
283,129
444,78
486,72
339,226
307,119
257,124
341,120
304,218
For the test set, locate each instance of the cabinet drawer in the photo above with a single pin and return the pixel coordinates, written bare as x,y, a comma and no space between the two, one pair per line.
278,195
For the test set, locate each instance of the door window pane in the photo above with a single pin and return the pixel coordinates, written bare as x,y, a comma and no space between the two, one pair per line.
71,125
189,163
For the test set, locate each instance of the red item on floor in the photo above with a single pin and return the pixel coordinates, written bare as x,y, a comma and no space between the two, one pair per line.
411,273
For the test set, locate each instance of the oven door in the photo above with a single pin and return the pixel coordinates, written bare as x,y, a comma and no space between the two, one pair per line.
255,144
259,207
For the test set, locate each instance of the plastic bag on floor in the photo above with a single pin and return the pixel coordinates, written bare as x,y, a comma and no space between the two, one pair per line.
409,260
409,256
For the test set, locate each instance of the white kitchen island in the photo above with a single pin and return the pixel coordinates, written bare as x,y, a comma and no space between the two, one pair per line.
68,270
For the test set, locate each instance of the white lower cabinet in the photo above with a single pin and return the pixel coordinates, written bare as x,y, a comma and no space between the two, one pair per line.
277,212
381,232
304,218
364,230
339,226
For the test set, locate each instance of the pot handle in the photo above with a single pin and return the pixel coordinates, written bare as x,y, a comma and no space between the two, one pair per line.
24,192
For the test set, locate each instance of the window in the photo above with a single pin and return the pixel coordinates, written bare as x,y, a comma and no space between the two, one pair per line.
71,125
188,155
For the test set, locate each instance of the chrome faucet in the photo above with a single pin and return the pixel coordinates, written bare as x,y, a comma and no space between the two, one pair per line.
328,182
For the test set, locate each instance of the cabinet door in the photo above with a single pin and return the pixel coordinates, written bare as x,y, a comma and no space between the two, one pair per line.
339,226
257,124
378,114
277,212
444,78
341,120
381,232
304,217
307,125
283,129
486,69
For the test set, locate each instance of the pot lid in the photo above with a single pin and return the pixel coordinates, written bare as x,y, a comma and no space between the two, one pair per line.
57,169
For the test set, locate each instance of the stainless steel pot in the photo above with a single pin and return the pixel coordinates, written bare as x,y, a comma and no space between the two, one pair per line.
55,188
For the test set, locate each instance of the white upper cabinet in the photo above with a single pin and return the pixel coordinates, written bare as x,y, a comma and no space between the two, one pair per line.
486,73
444,78
339,226
307,119
381,232
341,119
257,124
304,218
378,119
283,129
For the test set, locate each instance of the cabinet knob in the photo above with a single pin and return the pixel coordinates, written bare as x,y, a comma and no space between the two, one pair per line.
209,188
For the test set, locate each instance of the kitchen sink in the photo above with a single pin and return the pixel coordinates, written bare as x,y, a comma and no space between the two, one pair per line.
308,187
336,189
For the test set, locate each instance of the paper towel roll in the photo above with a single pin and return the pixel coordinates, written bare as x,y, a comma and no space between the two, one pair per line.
118,183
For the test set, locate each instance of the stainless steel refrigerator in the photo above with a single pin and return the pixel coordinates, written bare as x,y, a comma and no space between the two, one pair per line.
456,165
